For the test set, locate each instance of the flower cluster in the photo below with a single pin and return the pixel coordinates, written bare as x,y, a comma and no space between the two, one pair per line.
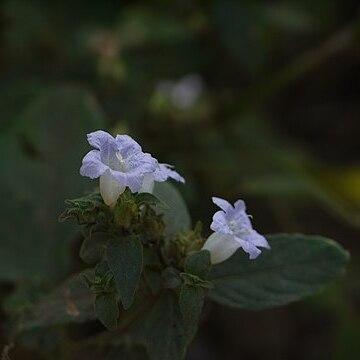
120,163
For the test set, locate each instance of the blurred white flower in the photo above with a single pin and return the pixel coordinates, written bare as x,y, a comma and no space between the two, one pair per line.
183,93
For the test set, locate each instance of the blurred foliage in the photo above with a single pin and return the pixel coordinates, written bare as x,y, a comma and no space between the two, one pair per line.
253,99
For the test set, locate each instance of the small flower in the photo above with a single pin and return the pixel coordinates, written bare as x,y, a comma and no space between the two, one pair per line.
232,230
118,162
161,174
184,93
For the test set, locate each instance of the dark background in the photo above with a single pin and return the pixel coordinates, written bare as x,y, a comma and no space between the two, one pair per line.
249,99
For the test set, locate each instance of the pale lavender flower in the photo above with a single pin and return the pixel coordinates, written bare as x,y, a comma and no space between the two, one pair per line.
232,230
165,171
118,162
162,173
184,93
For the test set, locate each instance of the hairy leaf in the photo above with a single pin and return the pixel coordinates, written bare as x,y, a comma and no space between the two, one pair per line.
107,309
149,199
125,259
82,208
198,264
297,266
191,302
93,247
163,330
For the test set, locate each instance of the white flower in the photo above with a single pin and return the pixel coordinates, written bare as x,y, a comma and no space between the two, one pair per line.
233,230
161,174
118,162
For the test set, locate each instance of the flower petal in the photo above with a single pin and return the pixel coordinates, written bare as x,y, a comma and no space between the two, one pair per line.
258,240
92,166
110,188
222,204
127,145
165,171
241,219
249,248
220,223
142,162
108,151
240,205
221,247
132,179
98,138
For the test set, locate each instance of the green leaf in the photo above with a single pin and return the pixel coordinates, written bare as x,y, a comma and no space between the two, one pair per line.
86,203
171,277
149,199
70,302
194,280
176,216
101,268
107,309
191,302
93,247
125,259
296,267
163,330
103,282
198,264
82,208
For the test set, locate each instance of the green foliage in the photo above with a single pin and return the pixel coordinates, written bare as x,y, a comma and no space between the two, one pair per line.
196,269
264,67
107,310
198,264
93,247
162,281
176,216
83,209
125,259
163,330
171,278
149,199
103,280
296,267
191,301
